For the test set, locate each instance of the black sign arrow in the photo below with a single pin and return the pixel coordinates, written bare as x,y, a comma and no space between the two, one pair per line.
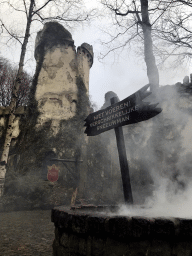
132,100
128,111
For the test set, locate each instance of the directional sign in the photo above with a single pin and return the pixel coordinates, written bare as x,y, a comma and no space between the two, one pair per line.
128,111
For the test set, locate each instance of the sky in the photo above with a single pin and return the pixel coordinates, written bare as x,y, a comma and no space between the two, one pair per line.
123,73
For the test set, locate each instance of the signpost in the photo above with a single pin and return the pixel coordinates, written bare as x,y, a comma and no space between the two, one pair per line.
123,161
128,111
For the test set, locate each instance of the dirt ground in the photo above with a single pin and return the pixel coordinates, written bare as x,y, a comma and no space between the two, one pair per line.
26,233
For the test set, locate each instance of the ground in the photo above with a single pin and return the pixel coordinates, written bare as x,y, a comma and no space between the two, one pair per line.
26,233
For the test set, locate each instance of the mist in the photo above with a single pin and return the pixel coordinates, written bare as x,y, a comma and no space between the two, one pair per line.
159,157
163,203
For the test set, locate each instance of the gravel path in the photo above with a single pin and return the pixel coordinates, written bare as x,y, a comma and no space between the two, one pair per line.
26,233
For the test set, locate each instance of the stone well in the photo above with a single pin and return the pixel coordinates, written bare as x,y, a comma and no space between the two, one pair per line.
94,231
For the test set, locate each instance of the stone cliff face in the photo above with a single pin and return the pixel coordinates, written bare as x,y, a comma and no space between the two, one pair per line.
52,125
56,89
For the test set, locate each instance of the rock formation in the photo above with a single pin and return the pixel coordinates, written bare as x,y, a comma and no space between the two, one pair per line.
51,127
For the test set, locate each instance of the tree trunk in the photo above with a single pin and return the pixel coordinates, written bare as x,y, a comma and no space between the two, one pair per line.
152,71
8,136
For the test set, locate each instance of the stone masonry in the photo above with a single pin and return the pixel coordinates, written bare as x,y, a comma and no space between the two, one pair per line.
89,232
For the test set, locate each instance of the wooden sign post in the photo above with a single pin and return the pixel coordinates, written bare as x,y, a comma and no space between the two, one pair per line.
123,161
128,111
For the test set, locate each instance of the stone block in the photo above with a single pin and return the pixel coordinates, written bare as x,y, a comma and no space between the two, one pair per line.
97,246
79,224
61,251
57,235
140,227
88,251
185,229
159,248
138,248
73,243
162,228
64,240
65,220
76,254
96,235
61,218
55,246
96,226
133,253
182,249
82,246
53,215
115,248
119,227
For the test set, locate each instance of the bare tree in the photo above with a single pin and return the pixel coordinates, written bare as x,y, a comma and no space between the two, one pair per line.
167,33
173,32
131,19
7,78
6,82
34,11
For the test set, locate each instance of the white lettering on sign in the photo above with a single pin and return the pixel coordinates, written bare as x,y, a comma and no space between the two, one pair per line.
112,110
114,122
102,119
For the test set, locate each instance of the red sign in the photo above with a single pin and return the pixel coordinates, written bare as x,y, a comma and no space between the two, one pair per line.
53,173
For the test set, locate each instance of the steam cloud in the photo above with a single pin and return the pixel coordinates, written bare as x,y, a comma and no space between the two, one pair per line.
159,155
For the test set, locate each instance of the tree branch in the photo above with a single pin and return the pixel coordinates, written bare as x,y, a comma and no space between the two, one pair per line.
25,8
18,10
119,47
35,12
117,10
164,10
11,34
77,19
119,34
